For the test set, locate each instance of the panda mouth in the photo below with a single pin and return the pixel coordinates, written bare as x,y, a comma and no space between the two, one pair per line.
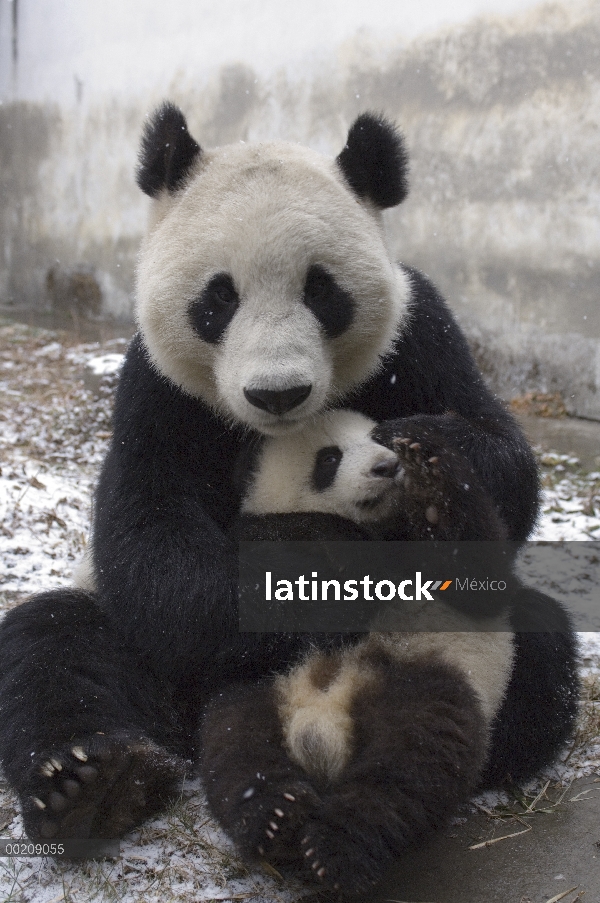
277,426
383,499
371,502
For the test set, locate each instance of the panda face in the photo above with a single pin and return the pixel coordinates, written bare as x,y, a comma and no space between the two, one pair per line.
265,287
333,466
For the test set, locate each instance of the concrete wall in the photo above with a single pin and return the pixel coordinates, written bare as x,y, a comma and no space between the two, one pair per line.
500,114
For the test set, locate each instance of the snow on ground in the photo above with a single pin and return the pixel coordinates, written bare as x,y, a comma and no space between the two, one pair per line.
53,435
55,409
571,500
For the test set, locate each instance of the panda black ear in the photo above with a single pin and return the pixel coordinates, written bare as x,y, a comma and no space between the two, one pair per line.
167,151
374,161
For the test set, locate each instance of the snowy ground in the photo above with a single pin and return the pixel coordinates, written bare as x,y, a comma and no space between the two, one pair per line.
54,430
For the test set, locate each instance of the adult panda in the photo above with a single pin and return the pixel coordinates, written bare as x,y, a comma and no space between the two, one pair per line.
265,294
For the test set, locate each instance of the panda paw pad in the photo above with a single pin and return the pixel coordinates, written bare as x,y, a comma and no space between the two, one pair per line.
422,466
99,787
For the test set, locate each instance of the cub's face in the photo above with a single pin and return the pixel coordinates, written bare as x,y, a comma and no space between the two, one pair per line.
264,284
333,466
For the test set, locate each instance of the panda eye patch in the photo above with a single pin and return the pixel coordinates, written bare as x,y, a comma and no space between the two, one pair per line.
332,306
211,313
326,466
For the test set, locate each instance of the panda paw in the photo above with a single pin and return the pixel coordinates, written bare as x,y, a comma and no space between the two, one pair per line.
425,473
339,862
100,786
274,822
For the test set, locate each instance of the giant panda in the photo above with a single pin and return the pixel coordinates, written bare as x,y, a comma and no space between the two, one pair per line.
266,294
445,674
337,469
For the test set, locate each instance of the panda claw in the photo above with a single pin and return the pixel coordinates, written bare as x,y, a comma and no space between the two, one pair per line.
288,796
434,460
78,752
432,514
273,826
416,446
270,834
309,853
38,802
261,851
47,769
279,813
321,871
315,865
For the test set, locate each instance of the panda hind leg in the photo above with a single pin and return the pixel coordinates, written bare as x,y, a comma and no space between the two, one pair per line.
87,738
539,711
260,797
420,746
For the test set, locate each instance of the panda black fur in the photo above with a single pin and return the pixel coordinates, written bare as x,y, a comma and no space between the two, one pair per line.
265,294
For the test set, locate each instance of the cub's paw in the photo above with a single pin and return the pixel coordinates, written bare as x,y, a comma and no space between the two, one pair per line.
426,473
339,861
99,786
272,822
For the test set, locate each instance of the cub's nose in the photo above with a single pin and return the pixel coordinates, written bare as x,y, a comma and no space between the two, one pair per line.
277,401
388,468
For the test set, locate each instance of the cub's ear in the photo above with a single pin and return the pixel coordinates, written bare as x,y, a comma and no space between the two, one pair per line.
167,151
374,161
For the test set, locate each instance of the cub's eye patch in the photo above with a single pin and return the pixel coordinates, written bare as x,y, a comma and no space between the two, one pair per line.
327,461
211,313
332,306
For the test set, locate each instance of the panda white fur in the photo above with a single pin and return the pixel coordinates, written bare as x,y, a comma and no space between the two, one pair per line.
335,467
266,294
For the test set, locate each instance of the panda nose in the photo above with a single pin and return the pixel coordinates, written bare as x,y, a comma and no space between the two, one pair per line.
387,468
277,401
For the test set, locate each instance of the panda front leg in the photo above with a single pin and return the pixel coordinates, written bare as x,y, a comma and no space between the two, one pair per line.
442,496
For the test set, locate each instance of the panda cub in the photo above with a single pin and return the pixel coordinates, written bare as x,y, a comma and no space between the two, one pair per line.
397,725
366,490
